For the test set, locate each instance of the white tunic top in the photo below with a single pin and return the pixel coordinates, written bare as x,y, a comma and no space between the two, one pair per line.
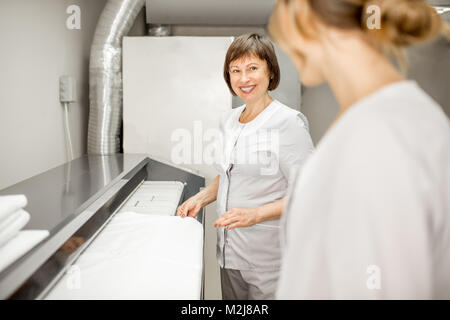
254,164
370,212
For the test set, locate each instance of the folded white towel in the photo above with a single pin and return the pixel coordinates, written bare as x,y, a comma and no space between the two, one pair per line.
11,225
20,244
10,204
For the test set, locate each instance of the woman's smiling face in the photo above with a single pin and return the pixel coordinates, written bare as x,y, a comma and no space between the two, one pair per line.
249,78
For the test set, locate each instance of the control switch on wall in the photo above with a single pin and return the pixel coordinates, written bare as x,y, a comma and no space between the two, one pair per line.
67,89
67,94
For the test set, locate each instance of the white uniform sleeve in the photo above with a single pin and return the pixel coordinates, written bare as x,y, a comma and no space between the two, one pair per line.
378,237
295,147
359,229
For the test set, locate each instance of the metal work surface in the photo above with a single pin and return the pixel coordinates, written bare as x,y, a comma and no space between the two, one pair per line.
56,195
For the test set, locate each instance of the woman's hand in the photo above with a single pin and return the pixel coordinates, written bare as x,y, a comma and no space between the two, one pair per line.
237,218
190,208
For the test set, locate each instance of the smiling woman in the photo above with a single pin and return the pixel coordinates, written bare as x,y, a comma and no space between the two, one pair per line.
250,71
250,197
252,46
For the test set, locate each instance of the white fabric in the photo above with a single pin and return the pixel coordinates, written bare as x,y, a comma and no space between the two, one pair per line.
20,244
10,204
155,197
139,256
255,162
369,215
11,225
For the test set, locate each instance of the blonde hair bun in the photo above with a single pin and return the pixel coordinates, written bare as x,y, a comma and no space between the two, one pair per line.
404,22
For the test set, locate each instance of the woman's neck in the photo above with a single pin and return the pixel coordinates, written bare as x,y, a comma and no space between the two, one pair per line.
254,108
355,76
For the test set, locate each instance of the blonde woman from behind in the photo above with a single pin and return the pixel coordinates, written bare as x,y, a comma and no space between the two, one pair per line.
369,216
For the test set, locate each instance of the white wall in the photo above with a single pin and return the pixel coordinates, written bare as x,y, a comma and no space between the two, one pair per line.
36,50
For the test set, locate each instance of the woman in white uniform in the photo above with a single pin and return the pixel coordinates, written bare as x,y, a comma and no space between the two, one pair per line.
369,215
263,142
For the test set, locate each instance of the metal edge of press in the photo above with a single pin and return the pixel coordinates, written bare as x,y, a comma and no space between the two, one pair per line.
118,198
26,288
202,211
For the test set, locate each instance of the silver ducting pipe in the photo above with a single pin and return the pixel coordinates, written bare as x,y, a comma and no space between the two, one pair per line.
105,75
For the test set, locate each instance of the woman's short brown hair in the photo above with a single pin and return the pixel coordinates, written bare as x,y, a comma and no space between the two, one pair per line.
253,44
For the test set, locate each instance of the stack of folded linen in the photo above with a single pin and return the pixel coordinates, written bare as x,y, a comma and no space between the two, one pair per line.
15,242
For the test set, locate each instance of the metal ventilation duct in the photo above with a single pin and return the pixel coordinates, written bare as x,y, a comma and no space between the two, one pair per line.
105,75
209,12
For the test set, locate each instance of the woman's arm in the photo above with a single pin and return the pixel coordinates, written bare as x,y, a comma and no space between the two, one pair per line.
246,217
191,207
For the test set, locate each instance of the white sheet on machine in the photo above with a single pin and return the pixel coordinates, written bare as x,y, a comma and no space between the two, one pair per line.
138,256
155,197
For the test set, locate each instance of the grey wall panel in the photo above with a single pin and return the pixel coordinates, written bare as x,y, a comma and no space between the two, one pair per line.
209,12
428,65
439,2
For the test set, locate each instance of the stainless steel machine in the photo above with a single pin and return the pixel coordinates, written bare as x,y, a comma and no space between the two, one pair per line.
76,202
